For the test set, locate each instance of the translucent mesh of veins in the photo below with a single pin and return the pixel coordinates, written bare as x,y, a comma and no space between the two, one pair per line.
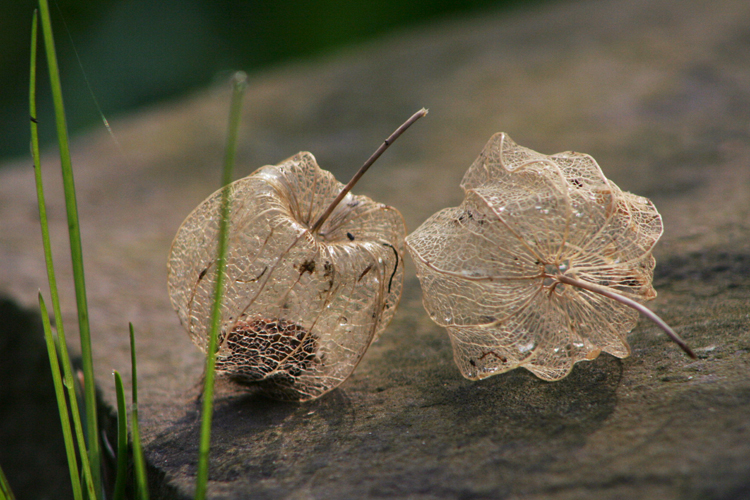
487,267
300,309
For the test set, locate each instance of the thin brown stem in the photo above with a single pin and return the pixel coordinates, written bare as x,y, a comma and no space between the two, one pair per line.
630,303
408,123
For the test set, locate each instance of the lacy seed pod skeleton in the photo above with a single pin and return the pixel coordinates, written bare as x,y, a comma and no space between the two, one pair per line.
314,275
542,265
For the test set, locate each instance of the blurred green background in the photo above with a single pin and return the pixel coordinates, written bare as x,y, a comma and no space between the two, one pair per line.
135,52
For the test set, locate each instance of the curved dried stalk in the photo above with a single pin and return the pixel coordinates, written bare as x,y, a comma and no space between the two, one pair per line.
372,159
630,303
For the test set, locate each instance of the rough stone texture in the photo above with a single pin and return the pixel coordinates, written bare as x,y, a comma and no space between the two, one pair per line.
658,91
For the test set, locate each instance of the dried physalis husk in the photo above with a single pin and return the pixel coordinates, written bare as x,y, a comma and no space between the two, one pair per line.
302,303
543,264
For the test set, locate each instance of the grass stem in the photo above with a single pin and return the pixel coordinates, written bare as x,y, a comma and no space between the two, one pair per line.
239,83
61,348
62,405
5,492
76,252
52,350
139,461
122,440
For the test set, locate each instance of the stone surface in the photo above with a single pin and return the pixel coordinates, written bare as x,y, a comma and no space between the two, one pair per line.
657,91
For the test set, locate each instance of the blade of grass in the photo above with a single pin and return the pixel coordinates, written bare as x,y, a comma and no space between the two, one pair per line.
140,463
122,440
5,492
75,248
239,83
62,405
60,343
52,350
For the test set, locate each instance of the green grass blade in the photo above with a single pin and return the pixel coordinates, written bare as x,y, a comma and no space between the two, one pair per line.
239,81
140,463
122,440
61,343
75,248
5,492
62,405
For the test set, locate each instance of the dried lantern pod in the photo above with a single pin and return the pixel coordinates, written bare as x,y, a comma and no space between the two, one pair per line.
313,276
544,264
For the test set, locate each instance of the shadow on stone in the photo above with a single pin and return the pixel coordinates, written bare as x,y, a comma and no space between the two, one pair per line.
30,432
283,447
255,436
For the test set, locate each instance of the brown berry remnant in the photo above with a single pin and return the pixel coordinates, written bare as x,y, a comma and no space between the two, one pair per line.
271,354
